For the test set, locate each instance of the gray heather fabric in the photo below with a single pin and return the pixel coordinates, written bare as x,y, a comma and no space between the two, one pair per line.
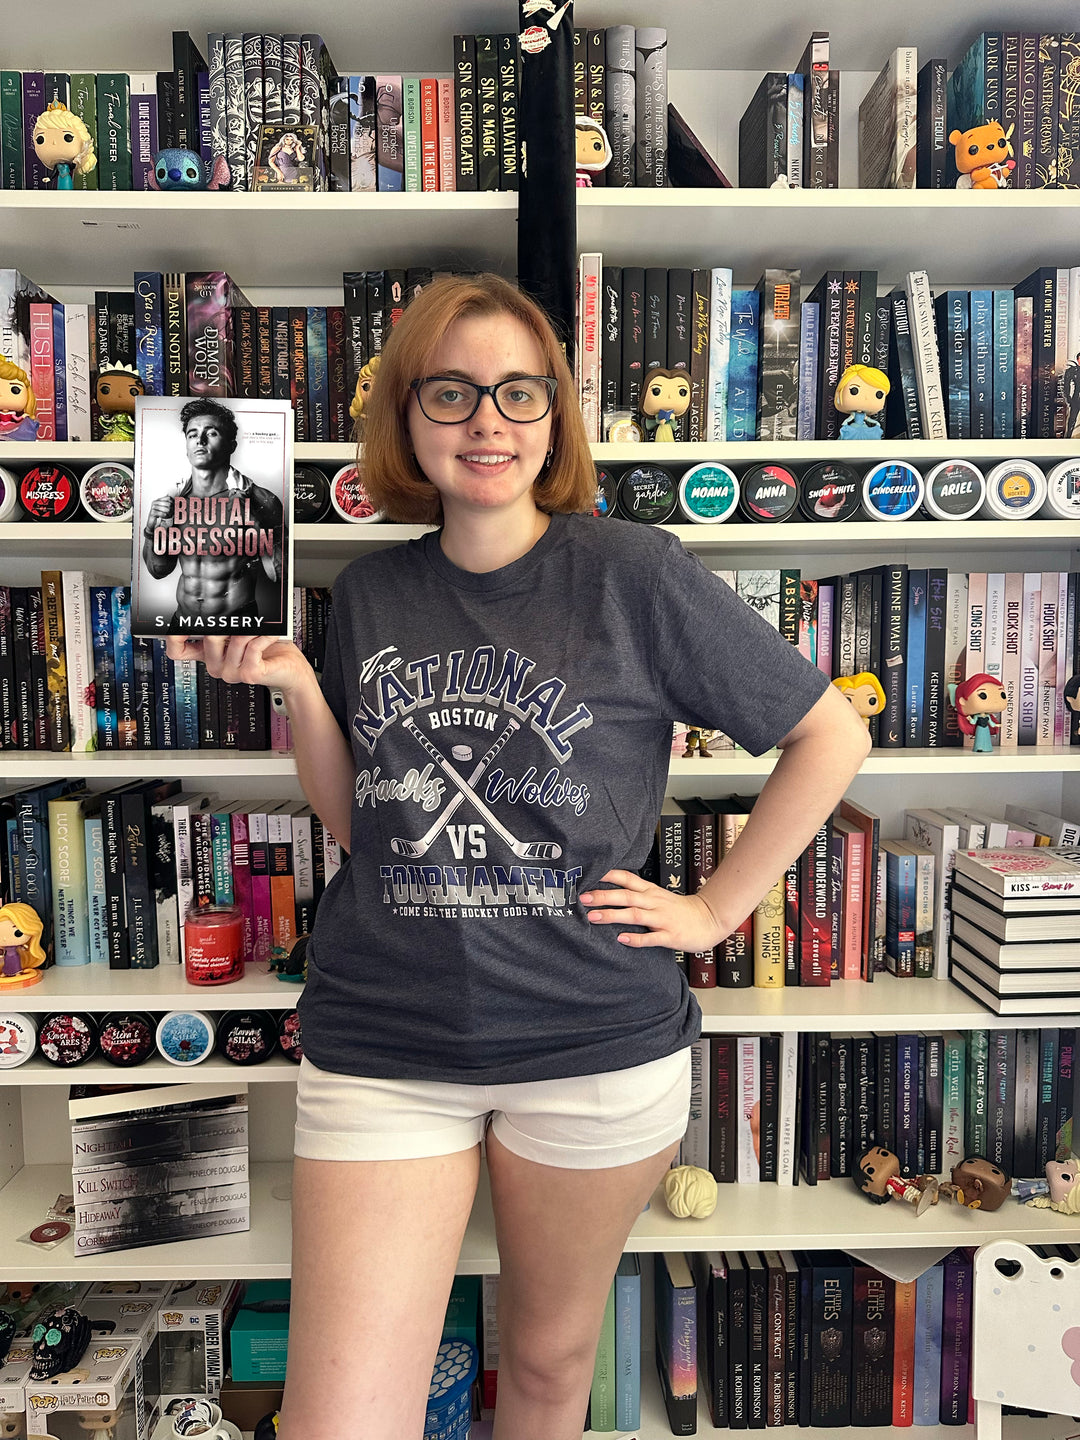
473,961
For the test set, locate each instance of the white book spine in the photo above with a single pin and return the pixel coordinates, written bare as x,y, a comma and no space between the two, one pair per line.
786,1159
927,364
1048,637
80,661
994,635
956,604
719,353
942,837
748,1169
588,357
1010,662
77,356
185,879
695,1146
1064,652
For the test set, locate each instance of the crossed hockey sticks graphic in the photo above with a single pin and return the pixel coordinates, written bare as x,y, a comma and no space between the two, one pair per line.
523,849
414,849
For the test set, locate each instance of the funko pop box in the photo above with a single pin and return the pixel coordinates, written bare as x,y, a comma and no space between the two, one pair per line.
105,1386
119,1311
14,1376
192,1329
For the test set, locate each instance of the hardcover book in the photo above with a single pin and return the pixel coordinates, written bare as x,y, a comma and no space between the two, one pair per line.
887,125
212,517
676,1340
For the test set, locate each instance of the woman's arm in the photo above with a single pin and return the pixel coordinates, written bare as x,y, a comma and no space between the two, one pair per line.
324,759
818,759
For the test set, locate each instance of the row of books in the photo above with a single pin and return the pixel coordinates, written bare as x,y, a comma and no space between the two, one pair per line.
800,1108
72,677
920,630
113,873
980,364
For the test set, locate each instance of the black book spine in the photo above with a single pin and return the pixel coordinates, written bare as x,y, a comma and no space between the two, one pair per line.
823,1105
465,106
931,142
864,1103
595,83
1000,1101
377,321
230,716
656,317
1046,133
763,134
1010,93
882,327
143,692
866,319
581,99
339,389
244,325
355,287
209,734
770,1105
175,326
20,654
699,353
738,1347
722,1115
509,90
842,1128
885,1075
487,107
1027,117
1026,1103
633,335
254,717
112,834
610,338
757,1297
902,409
39,675
264,352
280,352
876,640
829,295
395,297
139,904
122,341
680,318
807,1146
934,694
893,655
340,166
8,711
934,1065
165,733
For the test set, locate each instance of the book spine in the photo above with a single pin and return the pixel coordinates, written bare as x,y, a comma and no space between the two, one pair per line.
112,842
149,331
11,131
139,905
410,123
1000,1081
650,98
589,343
842,1118
58,716
722,1148
1047,105
628,1344
96,919
127,730
508,99
70,901
236,150
621,104
602,1393
743,367
925,346
389,134
487,108
778,385
144,130
113,132
956,1316
929,1297
806,423
1046,1116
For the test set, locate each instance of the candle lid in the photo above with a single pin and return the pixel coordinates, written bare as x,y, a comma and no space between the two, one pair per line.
247,1037
49,492
708,494
647,493
311,495
185,1037
892,490
289,1036
829,491
67,1038
606,492
108,491
18,1039
350,499
126,1038
954,490
769,493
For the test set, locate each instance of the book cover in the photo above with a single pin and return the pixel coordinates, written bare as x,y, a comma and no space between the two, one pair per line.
778,355
628,1343
763,154
932,153
650,98
711,1277
212,498
830,1339
873,1329
689,163
487,112
929,1298
676,1340
888,124
620,104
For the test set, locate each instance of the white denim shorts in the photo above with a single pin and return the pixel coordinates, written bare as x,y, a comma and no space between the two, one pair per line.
585,1122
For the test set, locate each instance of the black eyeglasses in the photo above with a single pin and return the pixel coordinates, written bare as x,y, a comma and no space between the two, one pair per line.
446,400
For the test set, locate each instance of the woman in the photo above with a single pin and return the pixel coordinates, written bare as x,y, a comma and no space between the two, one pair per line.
491,743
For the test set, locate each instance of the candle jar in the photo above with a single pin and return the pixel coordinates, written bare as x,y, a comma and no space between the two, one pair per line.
214,944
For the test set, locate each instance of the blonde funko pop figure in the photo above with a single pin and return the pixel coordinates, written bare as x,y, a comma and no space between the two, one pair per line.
864,692
860,396
64,144
18,403
20,946
364,382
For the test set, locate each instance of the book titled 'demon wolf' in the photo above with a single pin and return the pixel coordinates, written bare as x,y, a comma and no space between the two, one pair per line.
212,538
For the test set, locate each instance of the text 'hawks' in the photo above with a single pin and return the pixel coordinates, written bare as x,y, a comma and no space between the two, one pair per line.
403,688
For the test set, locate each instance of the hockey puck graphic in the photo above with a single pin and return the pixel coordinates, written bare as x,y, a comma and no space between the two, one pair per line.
50,1232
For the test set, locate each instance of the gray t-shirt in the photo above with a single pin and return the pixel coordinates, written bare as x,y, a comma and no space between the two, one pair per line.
512,732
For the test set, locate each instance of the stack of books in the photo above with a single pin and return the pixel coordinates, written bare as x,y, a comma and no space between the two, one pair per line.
158,1163
1016,929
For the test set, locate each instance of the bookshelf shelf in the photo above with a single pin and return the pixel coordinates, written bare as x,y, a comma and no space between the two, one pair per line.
97,988
830,1215
276,1070
685,777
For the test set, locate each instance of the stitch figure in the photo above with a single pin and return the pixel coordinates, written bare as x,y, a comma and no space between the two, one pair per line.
64,144
979,702
593,149
665,398
18,403
176,169
20,946
118,387
983,157
860,396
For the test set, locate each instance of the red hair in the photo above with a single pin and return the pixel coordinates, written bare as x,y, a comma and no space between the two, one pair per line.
965,690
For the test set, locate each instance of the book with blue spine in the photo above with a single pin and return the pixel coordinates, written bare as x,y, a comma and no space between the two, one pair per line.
915,668
721,344
900,870
101,622
1004,307
94,849
628,1343
221,851
906,1147
149,330
1046,1113
124,662
29,858
185,688
929,1299
67,854
808,370
956,1313
982,365
952,309
741,421
937,585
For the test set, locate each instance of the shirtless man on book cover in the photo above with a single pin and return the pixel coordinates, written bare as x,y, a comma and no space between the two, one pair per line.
220,527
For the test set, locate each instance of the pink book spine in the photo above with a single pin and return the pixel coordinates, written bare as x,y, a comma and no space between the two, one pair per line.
1048,661
1010,665
975,657
260,885
855,879
1061,728
447,137
241,868
41,368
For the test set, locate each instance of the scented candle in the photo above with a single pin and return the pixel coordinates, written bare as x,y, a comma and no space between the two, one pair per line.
214,944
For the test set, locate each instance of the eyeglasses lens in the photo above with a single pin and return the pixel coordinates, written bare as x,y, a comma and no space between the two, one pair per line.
448,402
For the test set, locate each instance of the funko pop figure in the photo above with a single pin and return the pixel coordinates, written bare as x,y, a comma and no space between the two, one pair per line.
877,1175
63,144
118,387
364,383
1062,1186
20,946
979,701
18,403
593,149
665,398
860,396
978,1184
184,170
697,739
99,1424
983,157
864,692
